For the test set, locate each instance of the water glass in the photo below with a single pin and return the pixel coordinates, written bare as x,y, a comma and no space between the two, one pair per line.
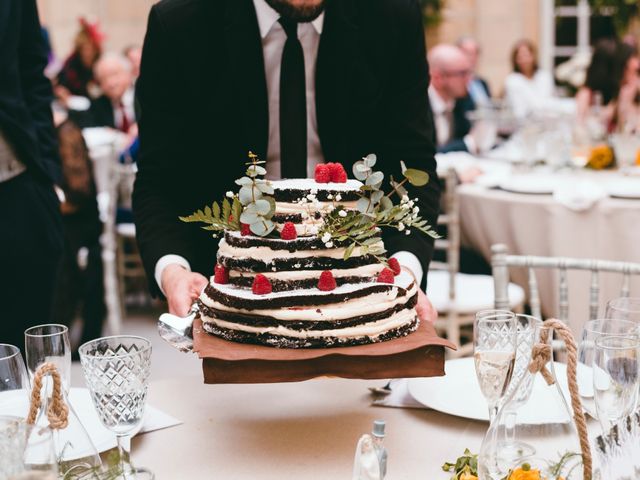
49,344
116,370
14,382
625,308
494,353
591,331
615,378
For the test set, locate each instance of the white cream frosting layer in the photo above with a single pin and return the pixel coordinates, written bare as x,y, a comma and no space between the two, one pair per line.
372,329
364,271
311,184
267,254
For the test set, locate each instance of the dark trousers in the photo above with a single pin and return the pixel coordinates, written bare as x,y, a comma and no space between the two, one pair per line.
31,245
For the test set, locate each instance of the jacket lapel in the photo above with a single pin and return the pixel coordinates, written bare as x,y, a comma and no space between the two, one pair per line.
248,81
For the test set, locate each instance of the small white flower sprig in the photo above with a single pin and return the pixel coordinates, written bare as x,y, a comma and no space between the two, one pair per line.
361,228
251,206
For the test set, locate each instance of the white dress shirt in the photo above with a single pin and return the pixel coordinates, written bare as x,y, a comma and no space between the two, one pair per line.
442,116
129,108
273,39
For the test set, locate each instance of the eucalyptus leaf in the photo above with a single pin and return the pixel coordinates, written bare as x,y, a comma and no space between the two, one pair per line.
262,227
361,167
244,181
245,195
377,196
417,178
370,160
255,170
375,178
272,208
363,205
262,207
265,187
386,203
249,217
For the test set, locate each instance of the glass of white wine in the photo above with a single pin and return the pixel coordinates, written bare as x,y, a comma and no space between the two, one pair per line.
615,378
495,338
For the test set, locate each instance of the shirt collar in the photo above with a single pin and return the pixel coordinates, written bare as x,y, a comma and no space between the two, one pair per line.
438,104
267,17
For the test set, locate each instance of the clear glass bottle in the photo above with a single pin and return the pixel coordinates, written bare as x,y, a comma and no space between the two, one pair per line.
554,437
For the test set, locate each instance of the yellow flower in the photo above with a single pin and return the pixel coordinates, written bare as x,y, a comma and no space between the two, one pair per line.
523,473
600,156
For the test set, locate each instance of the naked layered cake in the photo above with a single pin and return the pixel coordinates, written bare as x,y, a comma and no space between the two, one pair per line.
312,281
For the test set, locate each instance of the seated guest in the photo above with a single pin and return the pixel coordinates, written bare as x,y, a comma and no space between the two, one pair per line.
527,88
478,87
599,87
115,108
626,99
134,54
76,75
450,73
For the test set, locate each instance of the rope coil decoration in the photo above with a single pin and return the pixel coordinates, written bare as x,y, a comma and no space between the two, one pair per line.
57,411
540,357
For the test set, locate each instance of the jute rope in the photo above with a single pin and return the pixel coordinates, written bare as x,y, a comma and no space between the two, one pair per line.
57,411
541,355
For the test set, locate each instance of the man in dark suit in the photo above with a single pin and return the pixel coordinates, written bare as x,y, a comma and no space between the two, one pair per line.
30,221
209,91
478,88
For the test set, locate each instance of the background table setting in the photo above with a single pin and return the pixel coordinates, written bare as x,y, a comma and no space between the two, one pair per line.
549,211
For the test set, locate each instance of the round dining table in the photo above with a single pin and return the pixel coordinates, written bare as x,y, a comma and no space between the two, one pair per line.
548,212
281,431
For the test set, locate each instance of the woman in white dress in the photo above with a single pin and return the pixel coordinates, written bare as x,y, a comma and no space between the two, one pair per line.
527,88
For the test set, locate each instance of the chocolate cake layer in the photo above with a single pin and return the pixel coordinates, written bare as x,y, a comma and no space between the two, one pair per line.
279,341
313,298
300,243
285,285
294,264
292,217
265,321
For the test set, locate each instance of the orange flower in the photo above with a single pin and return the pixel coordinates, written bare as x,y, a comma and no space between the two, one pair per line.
638,158
600,156
525,473
468,476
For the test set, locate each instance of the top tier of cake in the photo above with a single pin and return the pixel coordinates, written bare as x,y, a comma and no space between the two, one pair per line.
304,201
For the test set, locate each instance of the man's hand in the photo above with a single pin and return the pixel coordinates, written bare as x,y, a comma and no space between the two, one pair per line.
181,287
425,310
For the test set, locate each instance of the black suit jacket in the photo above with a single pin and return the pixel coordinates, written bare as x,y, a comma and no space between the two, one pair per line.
25,93
203,105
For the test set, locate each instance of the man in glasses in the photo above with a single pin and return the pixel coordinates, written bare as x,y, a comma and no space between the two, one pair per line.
450,74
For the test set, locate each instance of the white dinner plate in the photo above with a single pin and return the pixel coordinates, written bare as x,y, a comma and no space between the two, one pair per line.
458,394
529,184
624,188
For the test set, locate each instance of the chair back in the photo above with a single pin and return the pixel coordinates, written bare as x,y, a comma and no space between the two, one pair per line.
449,218
501,261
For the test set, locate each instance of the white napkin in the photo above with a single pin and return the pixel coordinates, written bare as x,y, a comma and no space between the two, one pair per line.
580,195
399,397
102,438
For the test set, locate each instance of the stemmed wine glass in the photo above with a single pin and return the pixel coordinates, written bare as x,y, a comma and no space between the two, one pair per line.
14,382
494,353
116,370
519,390
50,344
624,308
591,331
615,378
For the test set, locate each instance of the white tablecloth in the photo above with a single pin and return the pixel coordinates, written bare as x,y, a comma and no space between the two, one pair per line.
295,431
539,225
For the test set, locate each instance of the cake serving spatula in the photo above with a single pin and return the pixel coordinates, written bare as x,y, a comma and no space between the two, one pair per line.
178,331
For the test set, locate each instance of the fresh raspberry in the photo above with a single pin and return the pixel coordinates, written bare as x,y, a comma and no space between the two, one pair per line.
245,229
394,265
261,285
326,283
386,276
338,175
221,275
288,232
322,173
